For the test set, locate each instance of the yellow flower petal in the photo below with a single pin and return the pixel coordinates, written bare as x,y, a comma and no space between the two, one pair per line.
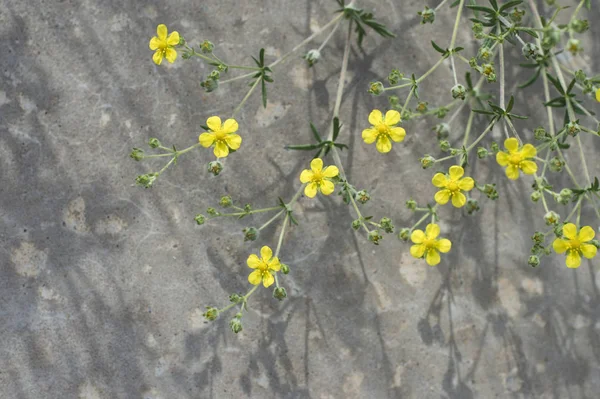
466,184
306,176
221,150
310,190
573,259
327,187
331,171
214,123
154,43
432,231
598,95
316,165
369,135
528,167
439,180
512,172
502,158
417,236
157,57
528,151
560,246
418,250
375,117
442,197
253,262
384,144
206,139
588,250
161,31
274,264
511,144
268,279
255,277
397,134
433,257
456,172
230,126
586,234
444,245
266,253
170,55
570,231
233,141
458,199
173,39
392,117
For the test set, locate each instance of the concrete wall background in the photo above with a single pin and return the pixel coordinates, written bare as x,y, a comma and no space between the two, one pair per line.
103,284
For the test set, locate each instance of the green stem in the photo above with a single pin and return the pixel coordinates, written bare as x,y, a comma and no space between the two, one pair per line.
271,220
235,111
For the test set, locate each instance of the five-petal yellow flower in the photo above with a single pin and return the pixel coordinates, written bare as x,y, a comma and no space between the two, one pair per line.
221,135
318,178
427,246
384,129
517,158
575,244
452,186
163,45
262,267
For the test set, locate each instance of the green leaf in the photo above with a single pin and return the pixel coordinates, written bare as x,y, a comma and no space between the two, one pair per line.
438,48
340,145
482,9
468,80
454,4
482,111
510,4
262,57
204,127
556,84
531,80
336,127
571,85
511,102
264,92
305,147
530,32
557,102
315,133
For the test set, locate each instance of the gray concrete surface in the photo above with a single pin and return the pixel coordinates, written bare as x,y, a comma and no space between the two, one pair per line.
102,284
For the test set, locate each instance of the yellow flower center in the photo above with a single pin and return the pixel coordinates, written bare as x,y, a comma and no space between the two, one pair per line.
383,129
515,159
452,186
430,243
263,266
220,135
574,244
317,176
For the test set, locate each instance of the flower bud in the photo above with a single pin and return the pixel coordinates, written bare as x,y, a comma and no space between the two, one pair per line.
484,53
375,237
573,128
387,225
236,323
540,133
580,25
459,91
538,237
427,15
427,161
411,204
566,193
215,167
574,46
356,224
535,196
250,234
154,143
595,243
494,147
551,218
181,41
472,206
556,164
394,101
146,180
422,106
206,47
137,154
210,85
362,196
285,269
580,76
490,191
516,15
212,212
279,293
482,152
312,57
214,75
534,261
558,230
442,130
235,298
395,76
444,145
200,219
247,208
376,88
531,50
211,313
404,234
489,72
442,112
225,201
478,30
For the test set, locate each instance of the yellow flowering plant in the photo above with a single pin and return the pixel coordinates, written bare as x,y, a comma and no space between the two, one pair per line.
538,156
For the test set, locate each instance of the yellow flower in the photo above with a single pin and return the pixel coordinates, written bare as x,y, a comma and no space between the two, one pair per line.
517,158
575,244
262,267
598,95
383,130
452,186
427,246
222,136
318,178
164,45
